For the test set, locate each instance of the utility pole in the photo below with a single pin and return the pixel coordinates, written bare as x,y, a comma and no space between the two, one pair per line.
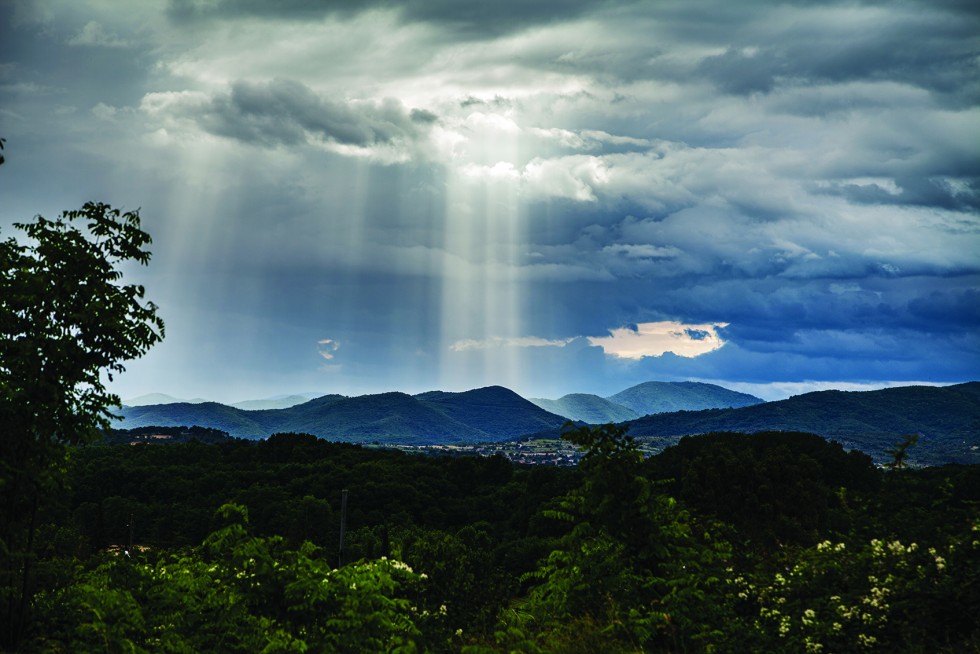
343,527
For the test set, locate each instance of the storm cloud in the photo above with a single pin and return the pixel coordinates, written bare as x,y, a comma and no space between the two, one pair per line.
366,196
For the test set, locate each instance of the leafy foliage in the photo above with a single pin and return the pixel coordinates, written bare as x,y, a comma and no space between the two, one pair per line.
235,593
65,321
635,572
776,488
880,596
901,451
612,556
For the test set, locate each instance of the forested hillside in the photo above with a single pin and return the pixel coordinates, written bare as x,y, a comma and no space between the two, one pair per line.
591,409
644,399
948,419
664,397
486,414
724,543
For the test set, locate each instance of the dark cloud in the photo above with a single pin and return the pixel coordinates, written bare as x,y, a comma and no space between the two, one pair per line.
186,10
423,116
917,44
947,311
945,65
917,191
943,59
466,19
740,73
804,171
286,112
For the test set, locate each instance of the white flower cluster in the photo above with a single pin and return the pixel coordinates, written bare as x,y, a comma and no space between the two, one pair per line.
940,561
400,565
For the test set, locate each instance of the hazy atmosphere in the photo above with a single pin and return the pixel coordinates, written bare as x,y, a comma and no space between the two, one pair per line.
355,197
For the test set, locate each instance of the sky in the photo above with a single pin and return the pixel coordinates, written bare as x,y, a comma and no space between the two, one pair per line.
357,197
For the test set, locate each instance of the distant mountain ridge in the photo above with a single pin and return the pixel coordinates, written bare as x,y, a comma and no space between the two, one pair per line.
279,402
946,417
159,398
480,415
663,397
283,402
584,407
645,399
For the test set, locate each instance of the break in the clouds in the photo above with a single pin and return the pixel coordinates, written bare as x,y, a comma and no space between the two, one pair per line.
654,339
431,182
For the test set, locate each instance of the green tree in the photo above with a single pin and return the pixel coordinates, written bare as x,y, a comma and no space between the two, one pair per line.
635,573
67,323
901,451
235,593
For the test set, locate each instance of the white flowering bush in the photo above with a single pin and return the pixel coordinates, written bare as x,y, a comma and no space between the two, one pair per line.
878,597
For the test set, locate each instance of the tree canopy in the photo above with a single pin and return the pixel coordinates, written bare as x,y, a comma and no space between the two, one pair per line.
67,324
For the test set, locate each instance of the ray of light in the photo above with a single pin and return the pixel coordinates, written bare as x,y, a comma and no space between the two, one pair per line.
481,292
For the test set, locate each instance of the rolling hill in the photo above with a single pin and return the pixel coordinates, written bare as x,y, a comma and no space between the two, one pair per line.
585,407
184,414
644,399
481,415
947,419
664,397
493,410
159,398
283,402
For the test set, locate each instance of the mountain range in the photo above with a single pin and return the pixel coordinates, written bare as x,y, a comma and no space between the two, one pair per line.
437,417
947,419
278,402
644,399
481,415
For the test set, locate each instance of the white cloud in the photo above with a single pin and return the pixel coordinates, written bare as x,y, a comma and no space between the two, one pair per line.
653,339
104,111
502,170
327,347
498,341
646,340
575,177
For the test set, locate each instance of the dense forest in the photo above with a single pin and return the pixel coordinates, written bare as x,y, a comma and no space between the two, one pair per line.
722,543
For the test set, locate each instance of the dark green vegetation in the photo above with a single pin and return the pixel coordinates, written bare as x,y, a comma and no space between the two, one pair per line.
776,542
66,324
486,414
948,419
